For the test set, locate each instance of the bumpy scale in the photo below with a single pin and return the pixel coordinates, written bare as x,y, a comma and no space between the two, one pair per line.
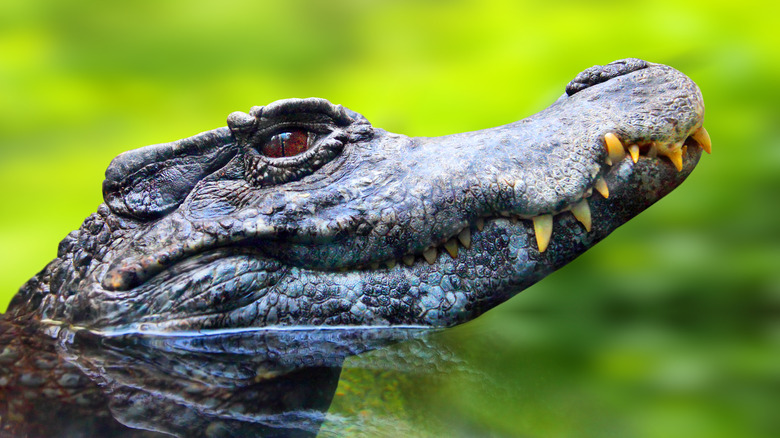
299,212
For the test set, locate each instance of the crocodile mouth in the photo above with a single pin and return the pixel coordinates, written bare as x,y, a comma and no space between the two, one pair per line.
656,152
618,154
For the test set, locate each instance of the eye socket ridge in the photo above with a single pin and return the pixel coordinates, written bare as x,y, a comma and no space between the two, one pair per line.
290,153
290,139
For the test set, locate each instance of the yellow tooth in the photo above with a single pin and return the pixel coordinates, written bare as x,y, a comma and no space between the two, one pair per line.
676,156
601,187
408,260
543,228
614,147
703,138
452,248
581,211
480,224
634,151
390,264
465,237
430,255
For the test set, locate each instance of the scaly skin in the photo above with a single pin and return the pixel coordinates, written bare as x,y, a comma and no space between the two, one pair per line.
207,233
302,214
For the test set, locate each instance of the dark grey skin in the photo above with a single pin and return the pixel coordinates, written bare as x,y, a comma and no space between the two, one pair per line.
207,233
301,214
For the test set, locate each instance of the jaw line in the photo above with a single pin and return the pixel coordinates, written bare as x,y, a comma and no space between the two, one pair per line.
138,266
134,272
633,188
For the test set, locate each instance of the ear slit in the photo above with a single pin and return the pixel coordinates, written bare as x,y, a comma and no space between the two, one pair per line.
149,182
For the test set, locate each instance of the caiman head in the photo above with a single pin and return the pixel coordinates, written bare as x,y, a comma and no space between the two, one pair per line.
301,213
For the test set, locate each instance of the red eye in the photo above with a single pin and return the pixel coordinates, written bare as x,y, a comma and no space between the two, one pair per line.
286,144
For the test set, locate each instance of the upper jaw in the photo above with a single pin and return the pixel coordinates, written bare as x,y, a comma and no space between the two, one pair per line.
644,122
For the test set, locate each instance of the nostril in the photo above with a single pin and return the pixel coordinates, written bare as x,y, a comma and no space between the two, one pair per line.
602,73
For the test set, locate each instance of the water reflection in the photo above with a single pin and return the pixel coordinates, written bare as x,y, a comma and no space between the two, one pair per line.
262,382
524,369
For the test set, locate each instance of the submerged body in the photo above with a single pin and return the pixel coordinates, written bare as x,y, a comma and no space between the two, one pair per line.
300,213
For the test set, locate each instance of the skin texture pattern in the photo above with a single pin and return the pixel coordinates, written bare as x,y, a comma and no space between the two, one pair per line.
301,214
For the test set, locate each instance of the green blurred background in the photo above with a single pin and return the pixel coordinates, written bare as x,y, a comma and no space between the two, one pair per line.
670,327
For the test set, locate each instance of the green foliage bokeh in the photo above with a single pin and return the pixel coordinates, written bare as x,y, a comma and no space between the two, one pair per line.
687,294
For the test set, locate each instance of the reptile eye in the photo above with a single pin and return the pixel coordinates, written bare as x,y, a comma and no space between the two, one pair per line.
291,139
288,144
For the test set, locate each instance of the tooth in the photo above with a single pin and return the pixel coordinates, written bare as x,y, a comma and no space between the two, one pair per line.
543,228
430,255
614,147
408,260
452,248
480,223
514,219
390,264
676,156
634,151
581,211
703,138
374,266
601,187
465,237
653,151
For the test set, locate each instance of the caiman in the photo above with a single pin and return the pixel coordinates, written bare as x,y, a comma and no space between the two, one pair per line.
301,213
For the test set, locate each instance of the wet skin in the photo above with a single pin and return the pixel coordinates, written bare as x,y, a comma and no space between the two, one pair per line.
300,213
